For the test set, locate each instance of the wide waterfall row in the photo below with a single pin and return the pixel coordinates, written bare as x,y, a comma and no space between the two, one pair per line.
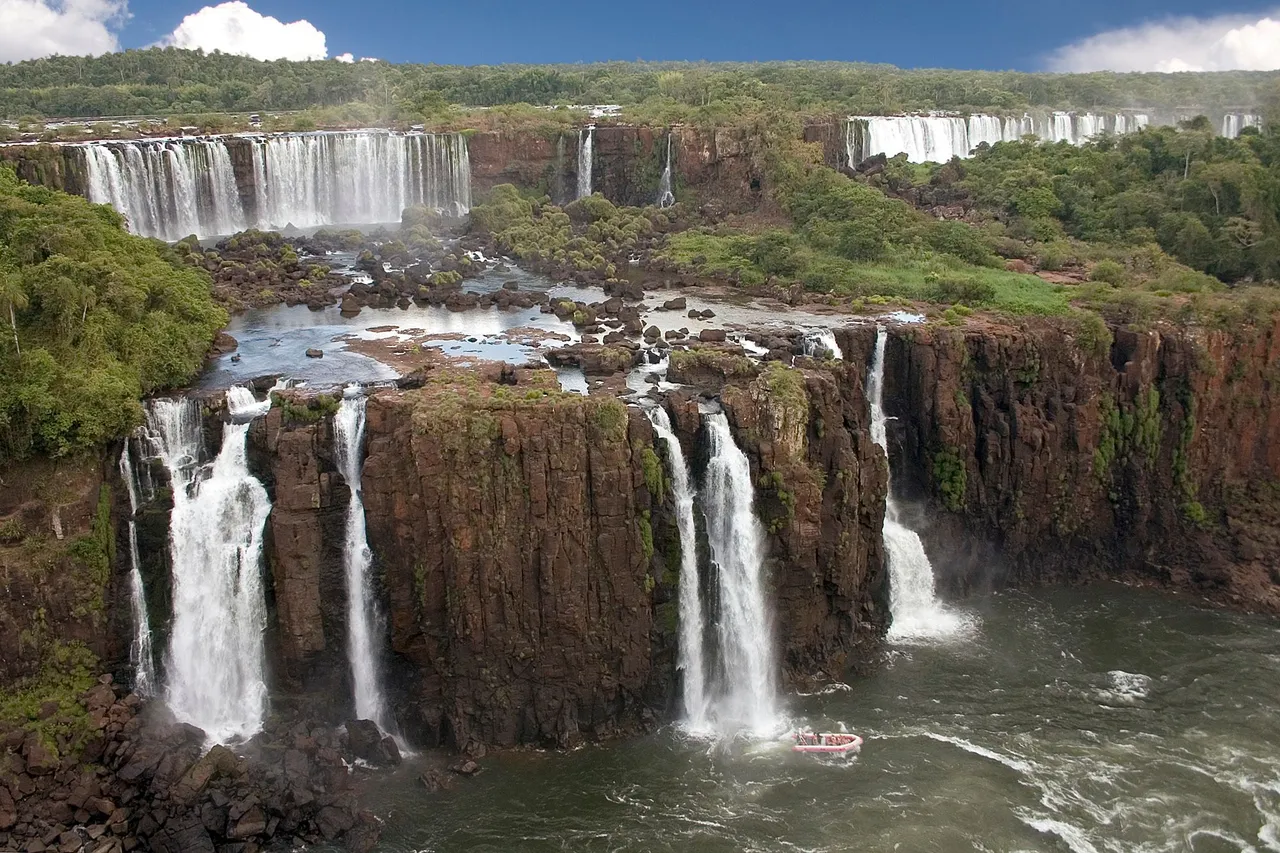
175,187
744,694
917,613
166,189
358,178
362,617
938,138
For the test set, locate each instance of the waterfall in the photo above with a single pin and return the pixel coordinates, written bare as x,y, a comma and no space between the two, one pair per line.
172,188
937,137
586,146
737,543
141,654
917,613
166,188
1233,123
666,196
358,178
362,615
692,625
215,666
822,341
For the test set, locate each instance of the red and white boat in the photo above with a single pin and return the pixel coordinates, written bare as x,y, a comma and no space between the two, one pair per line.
827,743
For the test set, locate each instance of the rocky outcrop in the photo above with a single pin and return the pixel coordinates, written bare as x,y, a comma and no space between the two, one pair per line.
1054,452
139,780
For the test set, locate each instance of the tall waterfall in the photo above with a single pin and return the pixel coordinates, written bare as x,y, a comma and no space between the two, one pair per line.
362,615
666,195
141,654
917,614
586,148
692,654
166,188
175,187
313,179
215,666
1233,123
737,543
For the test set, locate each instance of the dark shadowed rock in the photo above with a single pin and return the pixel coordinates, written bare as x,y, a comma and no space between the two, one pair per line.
364,740
315,353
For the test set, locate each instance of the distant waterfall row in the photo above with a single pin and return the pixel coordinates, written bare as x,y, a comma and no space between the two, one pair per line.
938,138
175,187
733,683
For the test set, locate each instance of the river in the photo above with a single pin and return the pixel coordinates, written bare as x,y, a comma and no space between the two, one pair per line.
1096,719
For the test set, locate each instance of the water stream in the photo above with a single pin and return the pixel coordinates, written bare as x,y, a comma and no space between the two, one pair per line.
692,622
918,616
666,194
363,619
586,153
141,653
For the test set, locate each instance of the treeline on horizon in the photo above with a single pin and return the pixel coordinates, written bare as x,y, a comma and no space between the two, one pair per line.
160,81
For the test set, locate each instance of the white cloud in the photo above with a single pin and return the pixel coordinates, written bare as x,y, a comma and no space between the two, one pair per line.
34,28
345,57
233,27
1222,43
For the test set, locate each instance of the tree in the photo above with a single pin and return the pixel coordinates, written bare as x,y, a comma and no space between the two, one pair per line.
14,297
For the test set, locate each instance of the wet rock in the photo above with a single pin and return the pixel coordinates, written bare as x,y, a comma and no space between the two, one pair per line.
465,767
712,336
315,353
333,821
364,740
677,304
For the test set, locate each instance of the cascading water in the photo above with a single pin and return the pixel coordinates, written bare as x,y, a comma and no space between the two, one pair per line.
215,665
917,613
166,188
692,654
141,654
306,180
586,148
822,342
175,187
737,541
362,615
666,196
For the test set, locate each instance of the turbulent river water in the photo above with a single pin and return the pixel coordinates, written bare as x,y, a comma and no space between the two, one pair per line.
1100,719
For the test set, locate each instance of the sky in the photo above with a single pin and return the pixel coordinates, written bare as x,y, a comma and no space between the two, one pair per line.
1083,35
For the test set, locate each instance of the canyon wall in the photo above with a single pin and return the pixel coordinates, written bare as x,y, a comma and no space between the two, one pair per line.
1044,452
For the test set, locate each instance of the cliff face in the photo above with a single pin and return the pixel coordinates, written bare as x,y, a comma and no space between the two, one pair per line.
708,166
1044,456
516,568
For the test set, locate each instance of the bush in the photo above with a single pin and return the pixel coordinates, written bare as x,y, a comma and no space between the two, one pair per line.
1110,272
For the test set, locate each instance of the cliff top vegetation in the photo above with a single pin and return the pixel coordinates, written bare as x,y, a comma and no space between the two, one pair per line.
169,81
92,318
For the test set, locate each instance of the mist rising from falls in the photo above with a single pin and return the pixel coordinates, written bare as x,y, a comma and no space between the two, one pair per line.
917,613
692,655
937,138
362,616
215,665
172,188
666,195
737,541
586,154
141,653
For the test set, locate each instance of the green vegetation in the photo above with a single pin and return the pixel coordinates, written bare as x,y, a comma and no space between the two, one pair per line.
951,478
95,318
306,410
68,671
655,478
193,85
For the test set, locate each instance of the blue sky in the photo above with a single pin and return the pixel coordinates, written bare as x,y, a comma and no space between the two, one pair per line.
991,34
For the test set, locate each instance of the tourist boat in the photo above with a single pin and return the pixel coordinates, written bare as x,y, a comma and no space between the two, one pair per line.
827,743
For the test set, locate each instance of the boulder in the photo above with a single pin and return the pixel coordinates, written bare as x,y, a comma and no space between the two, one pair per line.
677,304
315,353
712,336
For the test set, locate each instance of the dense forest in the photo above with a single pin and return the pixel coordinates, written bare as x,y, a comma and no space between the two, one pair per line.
160,81
91,319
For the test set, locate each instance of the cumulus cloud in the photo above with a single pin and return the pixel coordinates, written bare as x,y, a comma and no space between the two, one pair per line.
345,57
1222,43
233,27
34,28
